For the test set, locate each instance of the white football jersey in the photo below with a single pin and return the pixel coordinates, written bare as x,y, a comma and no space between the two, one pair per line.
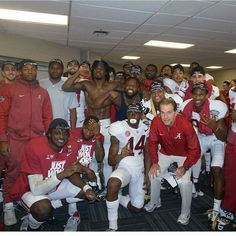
215,92
126,134
218,109
171,84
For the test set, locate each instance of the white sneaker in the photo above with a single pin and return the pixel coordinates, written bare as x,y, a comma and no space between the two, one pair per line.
72,208
9,215
200,193
183,219
150,207
73,222
25,223
226,214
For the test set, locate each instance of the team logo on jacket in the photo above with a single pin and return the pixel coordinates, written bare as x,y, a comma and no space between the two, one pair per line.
178,136
127,133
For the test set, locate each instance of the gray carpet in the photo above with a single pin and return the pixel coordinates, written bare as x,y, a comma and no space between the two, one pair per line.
94,216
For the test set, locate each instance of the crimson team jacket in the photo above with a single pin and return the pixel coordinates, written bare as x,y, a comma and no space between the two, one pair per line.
25,111
179,140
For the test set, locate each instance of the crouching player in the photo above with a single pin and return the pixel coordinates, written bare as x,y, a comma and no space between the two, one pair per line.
50,171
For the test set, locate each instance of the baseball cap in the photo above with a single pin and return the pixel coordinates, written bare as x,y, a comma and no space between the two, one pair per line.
157,85
136,108
58,61
128,63
136,69
73,60
179,67
59,123
198,70
5,63
27,62
201,86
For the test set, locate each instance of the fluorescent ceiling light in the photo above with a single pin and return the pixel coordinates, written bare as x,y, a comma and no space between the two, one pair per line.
231,51
164,44
214,67
36,17
184,65
130,57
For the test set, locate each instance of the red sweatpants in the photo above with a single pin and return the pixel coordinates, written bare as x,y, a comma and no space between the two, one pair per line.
230,178
12,164
2,163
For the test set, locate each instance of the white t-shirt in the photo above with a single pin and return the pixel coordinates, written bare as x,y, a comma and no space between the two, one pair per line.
61,101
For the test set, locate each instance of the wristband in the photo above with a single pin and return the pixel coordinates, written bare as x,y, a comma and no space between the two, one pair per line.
86,187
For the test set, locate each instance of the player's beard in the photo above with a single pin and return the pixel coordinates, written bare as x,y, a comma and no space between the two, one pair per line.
71,72
55,78
130,95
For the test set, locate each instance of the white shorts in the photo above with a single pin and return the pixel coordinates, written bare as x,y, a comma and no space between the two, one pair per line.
135,181
64,190
105,125
216,146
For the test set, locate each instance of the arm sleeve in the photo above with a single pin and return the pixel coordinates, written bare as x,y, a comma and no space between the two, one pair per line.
193,146
38,186
153,142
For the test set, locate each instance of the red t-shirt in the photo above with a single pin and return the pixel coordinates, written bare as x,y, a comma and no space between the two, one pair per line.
40,158
86,148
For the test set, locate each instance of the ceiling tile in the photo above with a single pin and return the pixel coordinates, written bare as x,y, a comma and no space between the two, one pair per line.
211,25
185,8
149,6
166,19
103,13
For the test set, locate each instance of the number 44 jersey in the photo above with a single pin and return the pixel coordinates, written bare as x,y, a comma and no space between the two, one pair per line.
135,137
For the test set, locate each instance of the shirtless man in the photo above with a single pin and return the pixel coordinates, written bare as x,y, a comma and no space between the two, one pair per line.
96,93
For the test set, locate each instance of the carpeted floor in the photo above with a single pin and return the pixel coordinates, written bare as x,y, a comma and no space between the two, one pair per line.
94,216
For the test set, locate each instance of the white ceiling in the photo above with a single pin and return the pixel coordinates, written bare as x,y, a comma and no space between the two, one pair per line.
210,25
